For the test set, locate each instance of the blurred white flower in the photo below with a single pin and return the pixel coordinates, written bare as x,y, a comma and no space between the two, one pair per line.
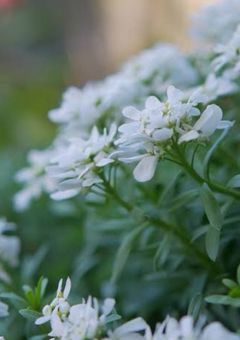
171,329
228,57
158,67
216,23
9,244
76,167
217,86
129,330
34,179
79,104
153,70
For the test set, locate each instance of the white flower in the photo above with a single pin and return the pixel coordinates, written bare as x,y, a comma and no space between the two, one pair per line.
59,304
216,331
129,330
34,179
216,23
76,167
9,245
206,125
228,54
150,132
171,329
217,86
83,321
79,104
158,67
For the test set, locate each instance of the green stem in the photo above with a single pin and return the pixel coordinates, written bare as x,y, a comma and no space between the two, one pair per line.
177,231
213,185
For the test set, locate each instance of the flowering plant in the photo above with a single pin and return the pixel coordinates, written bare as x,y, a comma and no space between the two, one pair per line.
145,161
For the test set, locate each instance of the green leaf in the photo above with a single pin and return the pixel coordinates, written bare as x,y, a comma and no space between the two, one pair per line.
195,306
223,300
38,337
234,182
15,299
206,162
184,199
124,251
229,283
212,242
211,207
29,314
112,318
213,213
31,263
162,252
238,274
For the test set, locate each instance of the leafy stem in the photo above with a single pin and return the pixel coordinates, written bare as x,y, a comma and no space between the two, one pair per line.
178,232
201,180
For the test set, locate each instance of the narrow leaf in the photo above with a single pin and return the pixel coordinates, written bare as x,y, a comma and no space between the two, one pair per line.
195,306
212,241
213,213
238,274
206,162
223,300
124,251
184,199
29,314
211,207
229,283
234,182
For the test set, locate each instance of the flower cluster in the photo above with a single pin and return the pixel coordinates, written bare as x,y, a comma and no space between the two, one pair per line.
89,320
33,178
153,131
229,56
77,166
151,71
224,18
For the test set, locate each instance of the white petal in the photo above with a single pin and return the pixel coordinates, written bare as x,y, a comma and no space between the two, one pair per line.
174,95
69,184
225,124
209,120
42,320
162,134
215,331
131,159
104,161
129,128
145,169
135,325
67,288
59,288
191,135
186,324
108,306
131,112
62,195
152,103
56,325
